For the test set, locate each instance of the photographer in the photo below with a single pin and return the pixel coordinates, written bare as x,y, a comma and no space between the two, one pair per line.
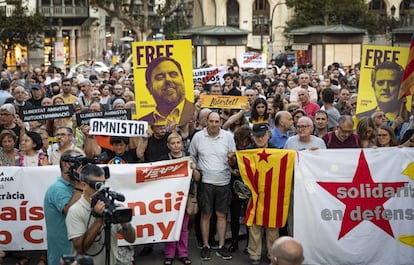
87,231
58,198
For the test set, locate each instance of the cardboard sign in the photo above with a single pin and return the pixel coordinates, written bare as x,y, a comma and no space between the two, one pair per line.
223,102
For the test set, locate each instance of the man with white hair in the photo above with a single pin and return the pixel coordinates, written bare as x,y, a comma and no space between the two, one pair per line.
86,97
303,84
287,251
304,139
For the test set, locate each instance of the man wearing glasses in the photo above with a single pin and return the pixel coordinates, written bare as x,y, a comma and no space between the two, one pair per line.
304,140
64,141
343,136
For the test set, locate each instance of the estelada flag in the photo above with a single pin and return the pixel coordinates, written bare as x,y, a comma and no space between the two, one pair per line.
407,84
268,173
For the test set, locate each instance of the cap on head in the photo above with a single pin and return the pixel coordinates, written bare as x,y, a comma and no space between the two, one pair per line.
118,101
36,87
9,108
260,129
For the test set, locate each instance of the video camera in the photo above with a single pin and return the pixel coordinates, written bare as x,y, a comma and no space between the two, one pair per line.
80,260
81,160
112,213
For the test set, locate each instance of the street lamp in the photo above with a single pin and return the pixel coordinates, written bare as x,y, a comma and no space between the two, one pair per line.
271,23
261,22
52,45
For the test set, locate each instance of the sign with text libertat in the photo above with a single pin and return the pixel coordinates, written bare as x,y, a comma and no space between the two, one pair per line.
209,75
158,203
46,113
357,209
223,101
163,77
381,74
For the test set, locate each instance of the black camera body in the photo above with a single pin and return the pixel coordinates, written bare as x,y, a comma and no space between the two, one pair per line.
80,260
112,213
80,160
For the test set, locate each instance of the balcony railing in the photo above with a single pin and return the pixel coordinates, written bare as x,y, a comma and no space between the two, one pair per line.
64,11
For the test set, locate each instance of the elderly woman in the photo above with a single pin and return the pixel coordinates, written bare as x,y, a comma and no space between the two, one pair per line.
7,151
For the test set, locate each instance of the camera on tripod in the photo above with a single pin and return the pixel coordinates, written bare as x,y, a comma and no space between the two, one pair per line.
112,213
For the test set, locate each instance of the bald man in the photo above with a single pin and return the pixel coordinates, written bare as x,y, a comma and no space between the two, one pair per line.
287,251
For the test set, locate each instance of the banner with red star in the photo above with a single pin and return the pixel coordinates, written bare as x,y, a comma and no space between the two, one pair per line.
355,206
268,173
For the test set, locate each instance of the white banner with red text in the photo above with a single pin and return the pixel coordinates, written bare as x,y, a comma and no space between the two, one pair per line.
209,75
355,206
157,193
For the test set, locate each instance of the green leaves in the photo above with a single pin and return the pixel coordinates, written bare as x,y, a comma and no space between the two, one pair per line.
22,28
328,12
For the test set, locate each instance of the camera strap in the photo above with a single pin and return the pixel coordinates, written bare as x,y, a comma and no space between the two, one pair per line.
83,240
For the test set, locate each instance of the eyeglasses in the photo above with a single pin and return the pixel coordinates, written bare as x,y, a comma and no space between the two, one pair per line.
302,126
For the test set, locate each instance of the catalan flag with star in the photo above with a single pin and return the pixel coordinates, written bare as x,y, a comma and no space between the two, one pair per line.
407,84
268,173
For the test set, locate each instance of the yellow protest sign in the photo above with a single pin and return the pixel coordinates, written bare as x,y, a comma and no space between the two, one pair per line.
163,80
382,68
223,102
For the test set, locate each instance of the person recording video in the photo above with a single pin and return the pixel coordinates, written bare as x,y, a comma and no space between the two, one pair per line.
59,197
85,224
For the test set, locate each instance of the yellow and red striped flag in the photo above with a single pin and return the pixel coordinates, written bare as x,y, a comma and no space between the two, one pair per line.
268,173
407,84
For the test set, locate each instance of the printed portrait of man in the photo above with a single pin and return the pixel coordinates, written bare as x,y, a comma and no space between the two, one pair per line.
385,81
165,82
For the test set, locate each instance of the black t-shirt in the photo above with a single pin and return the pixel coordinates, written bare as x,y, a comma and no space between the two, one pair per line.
156,148
130,156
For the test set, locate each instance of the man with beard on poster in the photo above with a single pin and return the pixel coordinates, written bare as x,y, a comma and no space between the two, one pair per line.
165,81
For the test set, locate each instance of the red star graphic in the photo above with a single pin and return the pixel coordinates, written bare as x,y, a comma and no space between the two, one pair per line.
360,203
263,155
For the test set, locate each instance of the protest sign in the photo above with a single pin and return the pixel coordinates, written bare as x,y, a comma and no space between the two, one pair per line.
223,102
118,127
209,75
252,60
84,117
46,113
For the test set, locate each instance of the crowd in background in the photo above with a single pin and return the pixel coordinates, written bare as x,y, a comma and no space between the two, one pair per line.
288,107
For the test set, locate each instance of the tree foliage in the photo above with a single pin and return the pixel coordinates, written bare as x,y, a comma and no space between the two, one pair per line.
139,20
328,12
21,28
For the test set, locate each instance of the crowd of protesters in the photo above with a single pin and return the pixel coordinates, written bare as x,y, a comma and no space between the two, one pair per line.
291,107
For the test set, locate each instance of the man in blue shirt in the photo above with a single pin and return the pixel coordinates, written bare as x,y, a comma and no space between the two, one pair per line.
283,123
58,199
